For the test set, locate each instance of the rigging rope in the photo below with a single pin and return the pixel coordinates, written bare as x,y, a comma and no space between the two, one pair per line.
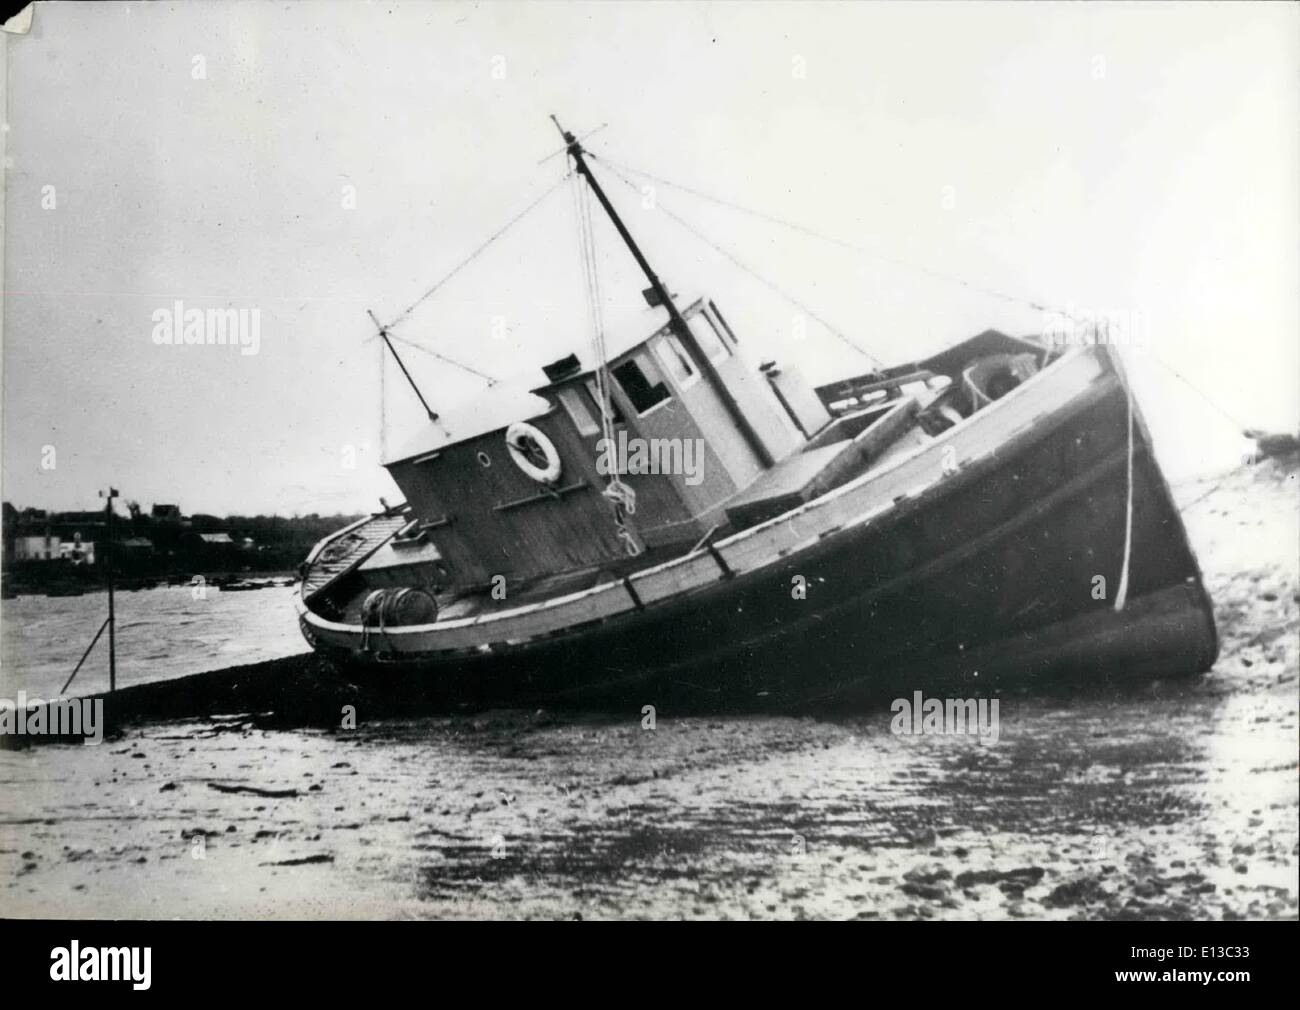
1197,390
1201,497
855,247
474,255
442,357
620,495
773,219
830,327
430,292
904,264
623,496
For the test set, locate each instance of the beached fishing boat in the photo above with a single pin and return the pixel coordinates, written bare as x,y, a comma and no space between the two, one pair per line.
659,517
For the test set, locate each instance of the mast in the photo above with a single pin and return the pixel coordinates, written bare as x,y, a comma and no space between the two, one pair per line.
383,332
675,319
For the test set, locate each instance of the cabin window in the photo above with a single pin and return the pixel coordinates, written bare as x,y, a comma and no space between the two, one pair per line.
643,391
707,336
615,414
676,360
576,407
715,315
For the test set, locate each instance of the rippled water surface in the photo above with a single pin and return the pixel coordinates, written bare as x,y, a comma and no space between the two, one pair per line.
161,633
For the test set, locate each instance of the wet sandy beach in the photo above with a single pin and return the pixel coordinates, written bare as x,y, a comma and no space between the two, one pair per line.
1176,800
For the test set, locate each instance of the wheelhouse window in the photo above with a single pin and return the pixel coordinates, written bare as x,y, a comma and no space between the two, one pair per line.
615,414
676,360
720,322
575,406
644,391
708,337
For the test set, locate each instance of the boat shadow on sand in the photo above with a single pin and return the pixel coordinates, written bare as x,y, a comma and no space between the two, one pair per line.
308,691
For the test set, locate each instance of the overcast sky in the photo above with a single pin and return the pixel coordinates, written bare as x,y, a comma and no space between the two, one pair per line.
314,160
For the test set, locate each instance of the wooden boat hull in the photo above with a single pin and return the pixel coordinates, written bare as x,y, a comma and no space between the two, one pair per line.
992,556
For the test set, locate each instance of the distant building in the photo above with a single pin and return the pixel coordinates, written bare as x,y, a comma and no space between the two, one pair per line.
208,543
166,513
212,549
36,548
79,552
50,547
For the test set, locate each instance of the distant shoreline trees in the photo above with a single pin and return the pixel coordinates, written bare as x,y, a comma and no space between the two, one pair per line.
39,544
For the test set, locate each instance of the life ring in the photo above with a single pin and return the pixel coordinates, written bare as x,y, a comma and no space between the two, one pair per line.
533,452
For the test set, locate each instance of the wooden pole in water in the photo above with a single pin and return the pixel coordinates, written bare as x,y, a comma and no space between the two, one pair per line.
108,573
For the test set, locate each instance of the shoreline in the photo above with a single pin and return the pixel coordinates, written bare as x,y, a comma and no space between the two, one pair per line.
305,690
1168,800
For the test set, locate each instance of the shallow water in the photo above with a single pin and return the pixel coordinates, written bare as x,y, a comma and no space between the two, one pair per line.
161,633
